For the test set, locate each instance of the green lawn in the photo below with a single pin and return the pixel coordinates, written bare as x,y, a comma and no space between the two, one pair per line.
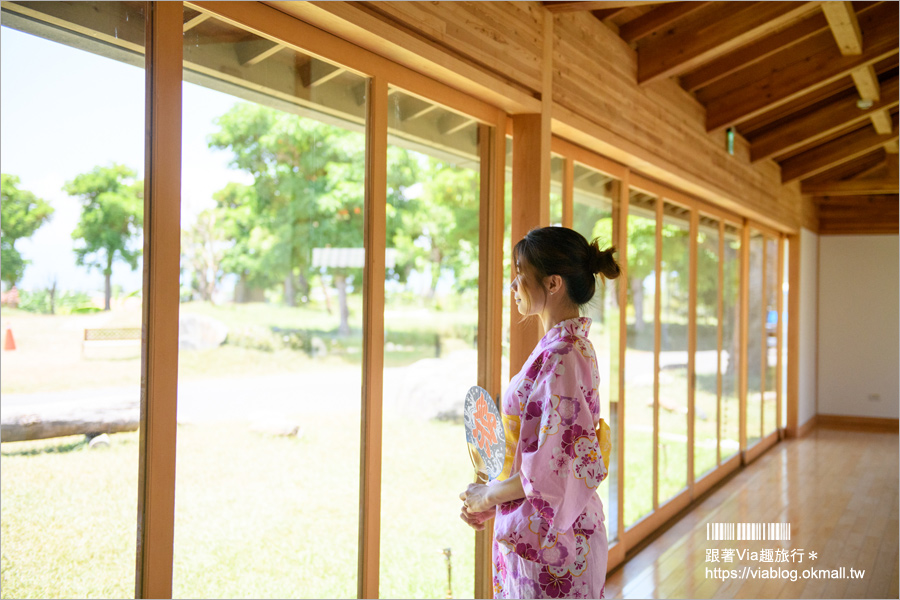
256,515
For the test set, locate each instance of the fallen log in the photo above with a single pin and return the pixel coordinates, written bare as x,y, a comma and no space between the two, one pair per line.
20,423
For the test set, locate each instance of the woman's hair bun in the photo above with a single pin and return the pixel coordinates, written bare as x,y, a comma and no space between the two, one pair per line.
602,261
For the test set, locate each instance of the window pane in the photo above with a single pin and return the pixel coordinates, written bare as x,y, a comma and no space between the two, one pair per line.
594,196
639,359
706,367
557,172
270,357
73,159
673,368
755,340
770,416
431,319
731,343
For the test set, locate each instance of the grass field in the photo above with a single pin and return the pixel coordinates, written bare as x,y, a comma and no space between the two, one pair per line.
256,515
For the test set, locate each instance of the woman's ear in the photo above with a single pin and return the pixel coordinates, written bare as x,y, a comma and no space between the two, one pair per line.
554,283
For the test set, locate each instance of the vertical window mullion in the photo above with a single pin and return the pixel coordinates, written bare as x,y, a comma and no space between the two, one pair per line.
373,338
162,242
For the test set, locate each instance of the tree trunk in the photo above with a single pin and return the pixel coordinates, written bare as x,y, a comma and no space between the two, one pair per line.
327,295
108,292
304,286
52,292
48,420
340,281
289,292
637,298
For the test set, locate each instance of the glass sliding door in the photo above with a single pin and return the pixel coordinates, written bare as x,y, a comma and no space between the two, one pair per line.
755,339
772,295
639,357
73,114
731,350
270,359
594,196
674,302
431,359
707,393
557,173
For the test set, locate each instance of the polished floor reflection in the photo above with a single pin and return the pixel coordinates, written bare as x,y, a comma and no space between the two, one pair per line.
838,489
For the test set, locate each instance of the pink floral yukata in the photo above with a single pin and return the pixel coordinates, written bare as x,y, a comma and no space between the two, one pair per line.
552,543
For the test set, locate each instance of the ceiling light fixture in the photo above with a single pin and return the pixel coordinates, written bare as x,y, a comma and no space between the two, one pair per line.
864,104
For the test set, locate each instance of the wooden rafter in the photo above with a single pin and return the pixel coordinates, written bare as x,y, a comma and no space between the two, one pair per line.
820,123
713,32
834,153
752,53
577,6
254,52
657,20
844,26
850,168
881,121
866,82
315,72
194,21
852,187
795,71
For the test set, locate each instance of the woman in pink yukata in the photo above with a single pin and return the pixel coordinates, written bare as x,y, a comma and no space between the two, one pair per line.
549,536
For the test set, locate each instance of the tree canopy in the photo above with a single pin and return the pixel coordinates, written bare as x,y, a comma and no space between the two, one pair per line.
21,214
112,216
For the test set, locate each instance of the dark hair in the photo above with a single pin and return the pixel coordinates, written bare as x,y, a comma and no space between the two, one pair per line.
565,252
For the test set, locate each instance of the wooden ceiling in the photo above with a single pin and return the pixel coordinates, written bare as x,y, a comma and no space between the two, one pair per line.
810,85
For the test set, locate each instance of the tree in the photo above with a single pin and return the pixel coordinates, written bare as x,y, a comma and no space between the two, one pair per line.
203,248
112,216
308,192
21,214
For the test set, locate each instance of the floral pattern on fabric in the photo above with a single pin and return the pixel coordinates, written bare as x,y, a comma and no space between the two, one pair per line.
552,543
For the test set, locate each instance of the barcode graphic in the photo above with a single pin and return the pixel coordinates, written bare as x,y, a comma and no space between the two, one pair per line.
748,531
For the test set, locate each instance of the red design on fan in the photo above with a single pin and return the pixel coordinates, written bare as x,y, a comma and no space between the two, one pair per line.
485,426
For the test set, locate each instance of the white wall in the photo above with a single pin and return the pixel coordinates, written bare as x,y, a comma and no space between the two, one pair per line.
807,323
859,325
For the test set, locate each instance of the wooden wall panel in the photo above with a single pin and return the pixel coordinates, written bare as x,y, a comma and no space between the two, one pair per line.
501,36
595,78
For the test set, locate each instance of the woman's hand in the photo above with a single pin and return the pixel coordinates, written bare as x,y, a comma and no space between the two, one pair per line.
476,520
477,498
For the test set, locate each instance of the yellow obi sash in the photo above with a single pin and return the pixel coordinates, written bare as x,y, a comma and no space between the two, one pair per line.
512,425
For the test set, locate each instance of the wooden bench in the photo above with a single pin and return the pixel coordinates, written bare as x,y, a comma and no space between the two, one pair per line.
110,336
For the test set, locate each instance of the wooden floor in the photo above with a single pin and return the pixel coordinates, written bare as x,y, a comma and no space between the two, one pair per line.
839,491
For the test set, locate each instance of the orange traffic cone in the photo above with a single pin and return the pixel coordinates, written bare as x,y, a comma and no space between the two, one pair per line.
9,343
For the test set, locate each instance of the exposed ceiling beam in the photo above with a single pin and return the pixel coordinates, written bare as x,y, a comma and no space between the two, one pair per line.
849,169
891,147
797,70
853,187
193,22
315,72
255,51
835,152
819,124
565,6
844,27
712,32
751,53
881,121
657,19
866,82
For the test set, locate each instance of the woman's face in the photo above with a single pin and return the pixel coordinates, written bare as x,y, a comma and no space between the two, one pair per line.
526,293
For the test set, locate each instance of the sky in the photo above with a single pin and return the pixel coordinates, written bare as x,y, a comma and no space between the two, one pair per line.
65,111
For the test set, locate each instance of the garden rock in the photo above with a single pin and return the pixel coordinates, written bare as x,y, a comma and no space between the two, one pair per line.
433,388
200,332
